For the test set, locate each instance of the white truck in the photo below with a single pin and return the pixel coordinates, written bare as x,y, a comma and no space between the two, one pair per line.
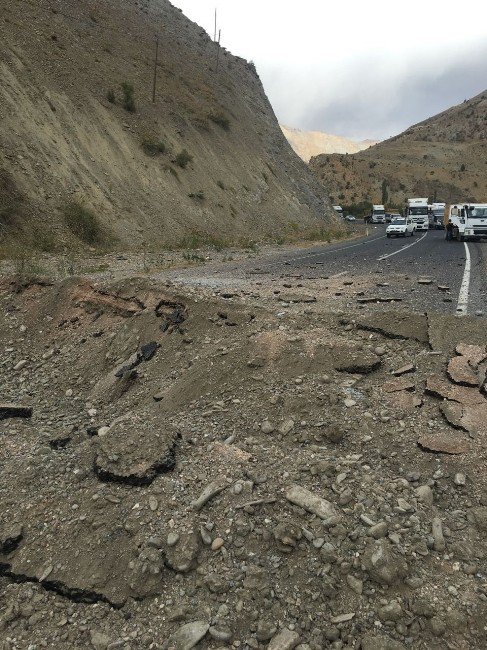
417,210
339,210
437,215
378,214
469,220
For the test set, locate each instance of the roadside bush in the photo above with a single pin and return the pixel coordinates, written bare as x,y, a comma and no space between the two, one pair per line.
111,96
221,119
128,101
83,223
152,148
183,159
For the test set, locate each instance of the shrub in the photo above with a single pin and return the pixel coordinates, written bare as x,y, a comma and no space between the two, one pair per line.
220,185
128,97
152,148
197,195
183,159
221,119
462,168
111,96
83,223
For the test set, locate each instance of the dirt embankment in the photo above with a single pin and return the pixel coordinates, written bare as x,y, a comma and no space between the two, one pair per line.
184,467
206,162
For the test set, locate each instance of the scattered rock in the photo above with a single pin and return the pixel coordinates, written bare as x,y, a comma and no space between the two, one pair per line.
284,640
187,636
308,501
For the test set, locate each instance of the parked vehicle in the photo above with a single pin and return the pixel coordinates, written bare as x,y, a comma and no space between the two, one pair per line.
350,217
401,227
436,215
469,221
339,210
378,214
417,210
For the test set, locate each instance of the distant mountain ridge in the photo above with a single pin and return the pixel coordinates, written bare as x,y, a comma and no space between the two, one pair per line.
313,143
443,157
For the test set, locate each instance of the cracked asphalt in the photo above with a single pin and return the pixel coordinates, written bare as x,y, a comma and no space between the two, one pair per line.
390,270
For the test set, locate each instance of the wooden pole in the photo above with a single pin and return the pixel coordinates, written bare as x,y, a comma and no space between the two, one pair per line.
218,50
155,71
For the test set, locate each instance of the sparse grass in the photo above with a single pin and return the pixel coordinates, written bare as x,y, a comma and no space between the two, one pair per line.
183,159
128,101
83,223
111,97
197,240
193,258
221,119
153,148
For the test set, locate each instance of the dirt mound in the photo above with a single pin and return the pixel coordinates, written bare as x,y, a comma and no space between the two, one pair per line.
86,157
258,481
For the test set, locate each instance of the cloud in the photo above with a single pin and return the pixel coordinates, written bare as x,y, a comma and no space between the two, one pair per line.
357,69
371,100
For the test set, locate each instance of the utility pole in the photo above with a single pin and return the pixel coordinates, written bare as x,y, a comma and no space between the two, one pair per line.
155,71
214,33
218,50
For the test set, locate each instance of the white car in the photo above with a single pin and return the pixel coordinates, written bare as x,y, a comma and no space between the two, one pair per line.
401,227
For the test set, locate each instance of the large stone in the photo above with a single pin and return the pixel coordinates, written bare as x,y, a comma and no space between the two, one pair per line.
182,556
284,640
187,636
308,501
383,564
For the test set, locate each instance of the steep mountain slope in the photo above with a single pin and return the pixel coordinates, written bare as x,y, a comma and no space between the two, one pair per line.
444,158
312,143
68,145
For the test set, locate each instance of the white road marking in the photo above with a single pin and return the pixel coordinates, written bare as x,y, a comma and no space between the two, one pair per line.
384,257
462,305
336,250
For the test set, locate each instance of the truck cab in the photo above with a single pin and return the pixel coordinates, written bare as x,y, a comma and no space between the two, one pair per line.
469,220
378,214
417,210
339,210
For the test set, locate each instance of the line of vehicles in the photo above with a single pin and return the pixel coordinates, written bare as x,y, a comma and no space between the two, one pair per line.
467,220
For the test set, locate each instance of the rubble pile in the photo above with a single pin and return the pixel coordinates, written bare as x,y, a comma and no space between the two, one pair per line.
183,470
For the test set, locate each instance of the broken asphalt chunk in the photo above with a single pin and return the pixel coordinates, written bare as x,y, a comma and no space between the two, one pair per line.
135,453
443,443
9,410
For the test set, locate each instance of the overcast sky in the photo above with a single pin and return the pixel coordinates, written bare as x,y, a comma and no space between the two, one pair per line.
359,69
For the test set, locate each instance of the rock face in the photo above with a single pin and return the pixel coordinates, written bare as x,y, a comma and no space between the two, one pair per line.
209,147
313,143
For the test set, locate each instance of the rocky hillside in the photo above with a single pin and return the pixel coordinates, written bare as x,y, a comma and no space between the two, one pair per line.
443,158
86,155
312,143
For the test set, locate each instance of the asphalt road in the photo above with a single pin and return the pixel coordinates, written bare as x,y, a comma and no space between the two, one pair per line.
399,263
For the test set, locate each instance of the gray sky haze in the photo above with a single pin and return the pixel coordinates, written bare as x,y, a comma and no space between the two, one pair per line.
353,68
